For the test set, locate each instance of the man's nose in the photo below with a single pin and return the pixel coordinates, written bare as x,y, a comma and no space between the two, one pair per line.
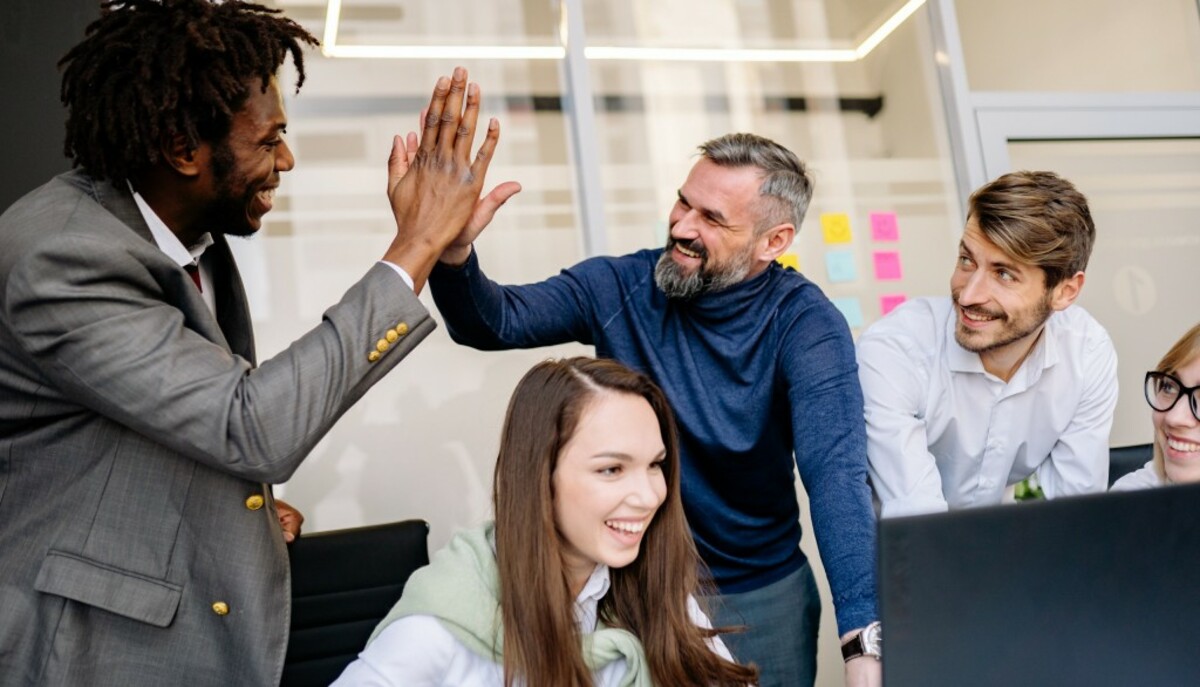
284,160
974,291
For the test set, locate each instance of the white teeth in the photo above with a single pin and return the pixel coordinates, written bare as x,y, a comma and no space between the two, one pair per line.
975,317
630,527
1184,446
686,252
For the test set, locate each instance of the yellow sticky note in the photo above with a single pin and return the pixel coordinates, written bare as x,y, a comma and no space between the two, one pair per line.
835,227
789,260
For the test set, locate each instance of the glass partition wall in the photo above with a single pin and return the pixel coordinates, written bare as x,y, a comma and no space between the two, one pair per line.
601,112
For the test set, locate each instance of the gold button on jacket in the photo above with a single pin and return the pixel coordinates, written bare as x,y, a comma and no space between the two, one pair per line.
255,502
220,608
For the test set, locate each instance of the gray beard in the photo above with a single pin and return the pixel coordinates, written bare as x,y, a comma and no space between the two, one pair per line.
675,283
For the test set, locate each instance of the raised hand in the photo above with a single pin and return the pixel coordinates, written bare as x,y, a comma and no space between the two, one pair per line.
404,151
460,248
434,184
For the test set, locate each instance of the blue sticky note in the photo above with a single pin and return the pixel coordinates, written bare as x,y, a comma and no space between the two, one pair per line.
851,310
839,265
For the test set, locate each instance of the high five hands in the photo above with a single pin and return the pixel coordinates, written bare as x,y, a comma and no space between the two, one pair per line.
434,185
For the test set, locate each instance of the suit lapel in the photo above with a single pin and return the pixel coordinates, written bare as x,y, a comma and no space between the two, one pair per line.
231,328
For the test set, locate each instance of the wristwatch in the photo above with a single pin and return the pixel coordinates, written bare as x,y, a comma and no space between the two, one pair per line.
869,642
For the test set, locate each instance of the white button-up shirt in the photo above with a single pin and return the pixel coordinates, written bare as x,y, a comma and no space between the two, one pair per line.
418,651
943,433
170,245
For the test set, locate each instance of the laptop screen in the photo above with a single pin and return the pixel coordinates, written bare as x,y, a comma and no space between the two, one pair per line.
1090,590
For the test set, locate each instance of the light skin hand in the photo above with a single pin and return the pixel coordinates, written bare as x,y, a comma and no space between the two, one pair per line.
290,520
864,671
433,184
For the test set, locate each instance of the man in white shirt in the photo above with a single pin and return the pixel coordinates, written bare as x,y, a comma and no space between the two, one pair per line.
1006,378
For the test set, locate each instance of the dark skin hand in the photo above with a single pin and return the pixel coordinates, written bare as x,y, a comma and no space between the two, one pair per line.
434,185
290,520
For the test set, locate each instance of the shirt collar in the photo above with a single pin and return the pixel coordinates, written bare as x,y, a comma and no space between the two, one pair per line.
587,603
166,239
596,586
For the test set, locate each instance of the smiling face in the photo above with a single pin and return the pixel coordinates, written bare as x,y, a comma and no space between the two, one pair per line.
1001,303
713,243
1177,431
245,167
608,484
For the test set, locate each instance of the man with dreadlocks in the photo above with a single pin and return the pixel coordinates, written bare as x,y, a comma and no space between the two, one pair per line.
139,541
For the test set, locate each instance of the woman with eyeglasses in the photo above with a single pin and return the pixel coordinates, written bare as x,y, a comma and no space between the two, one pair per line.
1173,392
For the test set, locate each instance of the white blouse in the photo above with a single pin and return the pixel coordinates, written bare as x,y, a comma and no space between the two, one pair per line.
1147,477
418,651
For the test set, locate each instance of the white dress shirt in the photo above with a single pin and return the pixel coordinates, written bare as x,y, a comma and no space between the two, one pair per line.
183,256
943,433
418,651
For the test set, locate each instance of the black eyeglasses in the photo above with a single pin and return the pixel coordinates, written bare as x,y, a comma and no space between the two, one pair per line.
1163,391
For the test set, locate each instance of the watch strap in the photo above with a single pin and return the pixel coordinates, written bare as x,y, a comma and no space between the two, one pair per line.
853,648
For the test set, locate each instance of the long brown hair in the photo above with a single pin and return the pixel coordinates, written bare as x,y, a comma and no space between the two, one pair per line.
649,597
1181,354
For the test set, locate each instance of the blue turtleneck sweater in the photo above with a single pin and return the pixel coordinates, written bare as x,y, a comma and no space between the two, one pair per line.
755,374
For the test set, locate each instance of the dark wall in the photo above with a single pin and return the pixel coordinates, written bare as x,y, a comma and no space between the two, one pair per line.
34,35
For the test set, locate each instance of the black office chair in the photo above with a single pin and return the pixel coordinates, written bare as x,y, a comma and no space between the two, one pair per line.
1123,460
343,583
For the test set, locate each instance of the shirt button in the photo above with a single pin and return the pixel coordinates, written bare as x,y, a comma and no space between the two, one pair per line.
220,608
373,356
254,502
382,345
392,336
402,329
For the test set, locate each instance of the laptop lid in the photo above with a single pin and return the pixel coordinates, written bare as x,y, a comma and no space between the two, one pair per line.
1090,590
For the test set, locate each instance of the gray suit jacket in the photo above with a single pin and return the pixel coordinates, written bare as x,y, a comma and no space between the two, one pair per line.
135,430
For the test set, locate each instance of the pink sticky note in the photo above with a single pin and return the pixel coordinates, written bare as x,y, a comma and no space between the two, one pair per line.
884,227
887,265
890,302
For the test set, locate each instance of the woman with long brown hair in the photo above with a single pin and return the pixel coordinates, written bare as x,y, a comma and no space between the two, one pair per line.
588,575
1173,392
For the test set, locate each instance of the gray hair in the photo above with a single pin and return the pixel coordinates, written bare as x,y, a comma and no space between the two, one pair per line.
786,187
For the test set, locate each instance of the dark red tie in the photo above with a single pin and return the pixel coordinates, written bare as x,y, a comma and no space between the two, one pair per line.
194,272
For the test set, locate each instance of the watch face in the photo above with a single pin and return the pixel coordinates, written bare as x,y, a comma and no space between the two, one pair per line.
872,640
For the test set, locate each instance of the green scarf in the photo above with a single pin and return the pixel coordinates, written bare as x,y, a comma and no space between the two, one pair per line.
460,587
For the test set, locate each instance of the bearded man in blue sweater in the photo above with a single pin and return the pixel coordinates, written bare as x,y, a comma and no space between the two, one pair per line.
760,369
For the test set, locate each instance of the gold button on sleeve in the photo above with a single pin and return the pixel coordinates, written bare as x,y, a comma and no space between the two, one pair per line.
220,608
382,345
402,329
373,356
392,336
255,502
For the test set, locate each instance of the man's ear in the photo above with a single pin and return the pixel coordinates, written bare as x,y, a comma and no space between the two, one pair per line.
775,241
183,158
1066,292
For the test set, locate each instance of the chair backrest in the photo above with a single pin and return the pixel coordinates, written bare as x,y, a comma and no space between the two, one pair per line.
1123,460
343,583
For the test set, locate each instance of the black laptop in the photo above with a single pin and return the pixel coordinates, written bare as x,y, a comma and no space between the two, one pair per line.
1084,591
